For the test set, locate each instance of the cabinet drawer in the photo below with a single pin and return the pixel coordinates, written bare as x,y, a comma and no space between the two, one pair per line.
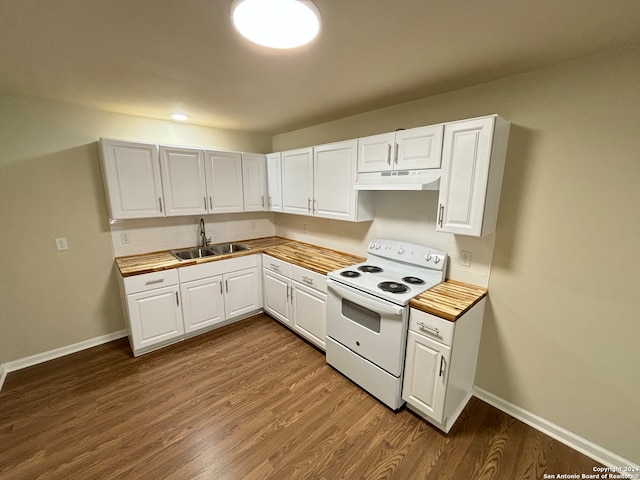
431,326
276,265
309,278
150,281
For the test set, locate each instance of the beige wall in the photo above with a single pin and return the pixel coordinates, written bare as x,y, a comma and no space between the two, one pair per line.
561,336
51,186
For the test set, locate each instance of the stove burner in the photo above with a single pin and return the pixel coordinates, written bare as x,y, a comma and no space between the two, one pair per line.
350,274
413,280
370,269
393,287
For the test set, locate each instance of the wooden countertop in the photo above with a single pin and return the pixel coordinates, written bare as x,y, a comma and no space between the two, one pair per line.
448,300
317,259
157,261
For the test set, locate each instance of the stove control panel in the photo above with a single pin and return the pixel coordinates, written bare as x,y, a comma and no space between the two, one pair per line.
408,252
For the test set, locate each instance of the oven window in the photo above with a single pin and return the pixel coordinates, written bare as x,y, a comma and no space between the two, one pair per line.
361,315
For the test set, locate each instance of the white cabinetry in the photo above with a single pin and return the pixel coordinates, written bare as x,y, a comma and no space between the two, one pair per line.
183,181
334,173
254,182
297,181
202,303
220,291
309,305
412,149
440,364
296,297
242,292
132,179
224,181
319,181
153,310
274,181
473,157
167,306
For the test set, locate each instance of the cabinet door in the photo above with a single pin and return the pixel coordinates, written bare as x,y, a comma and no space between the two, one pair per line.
425,376
132,179
376,153
309,314
274,182
254,182
419,147
242,292
277,290
334,169
297,181
465,168
155,316
183,181
202,303
224,181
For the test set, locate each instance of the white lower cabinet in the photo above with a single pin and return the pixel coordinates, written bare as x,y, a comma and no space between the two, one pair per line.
296,297
165,307
202,303
440,364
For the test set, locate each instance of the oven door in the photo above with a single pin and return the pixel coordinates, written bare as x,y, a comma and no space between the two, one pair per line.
369,326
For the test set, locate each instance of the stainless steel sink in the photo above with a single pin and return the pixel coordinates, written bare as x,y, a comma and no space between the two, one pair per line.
192,253
224,248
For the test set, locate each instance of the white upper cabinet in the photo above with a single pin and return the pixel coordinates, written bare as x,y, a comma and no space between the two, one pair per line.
132,179
183,180
377,153
254,181
334,173
473,157
418,148
297,181
224,181
274,182
319,181
412,149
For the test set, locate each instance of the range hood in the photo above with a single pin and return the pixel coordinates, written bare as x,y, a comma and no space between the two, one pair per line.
399,180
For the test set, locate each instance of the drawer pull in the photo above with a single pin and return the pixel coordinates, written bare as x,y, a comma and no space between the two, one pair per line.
275,267
308,280
429,328
153,282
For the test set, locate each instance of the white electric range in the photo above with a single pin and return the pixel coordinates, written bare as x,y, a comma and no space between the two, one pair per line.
368,312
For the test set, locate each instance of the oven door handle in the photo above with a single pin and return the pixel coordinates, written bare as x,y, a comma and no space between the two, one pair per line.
364,300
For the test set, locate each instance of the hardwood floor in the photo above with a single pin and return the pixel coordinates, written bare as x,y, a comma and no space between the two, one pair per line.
247,401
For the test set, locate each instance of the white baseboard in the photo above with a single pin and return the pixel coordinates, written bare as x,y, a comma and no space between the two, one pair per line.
570,439
3,375
57,353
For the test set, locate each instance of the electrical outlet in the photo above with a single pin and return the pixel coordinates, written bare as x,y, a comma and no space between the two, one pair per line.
465,258
253,225
304,226
125,238
61,244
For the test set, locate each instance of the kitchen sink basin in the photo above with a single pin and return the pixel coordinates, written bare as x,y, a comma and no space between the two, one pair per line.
210,251
192,253
224,248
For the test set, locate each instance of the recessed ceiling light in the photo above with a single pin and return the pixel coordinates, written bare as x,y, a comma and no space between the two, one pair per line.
181,117
276,23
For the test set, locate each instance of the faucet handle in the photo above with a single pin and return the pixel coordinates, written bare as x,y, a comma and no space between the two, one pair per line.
207,241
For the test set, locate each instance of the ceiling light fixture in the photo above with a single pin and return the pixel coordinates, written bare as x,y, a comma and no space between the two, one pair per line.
181,117
278,24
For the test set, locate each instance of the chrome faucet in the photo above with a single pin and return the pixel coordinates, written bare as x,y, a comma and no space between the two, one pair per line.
204,241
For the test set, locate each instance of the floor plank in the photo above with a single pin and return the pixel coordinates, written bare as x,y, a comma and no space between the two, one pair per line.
247,401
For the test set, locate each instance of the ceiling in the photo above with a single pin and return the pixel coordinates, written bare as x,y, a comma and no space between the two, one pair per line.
153,57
